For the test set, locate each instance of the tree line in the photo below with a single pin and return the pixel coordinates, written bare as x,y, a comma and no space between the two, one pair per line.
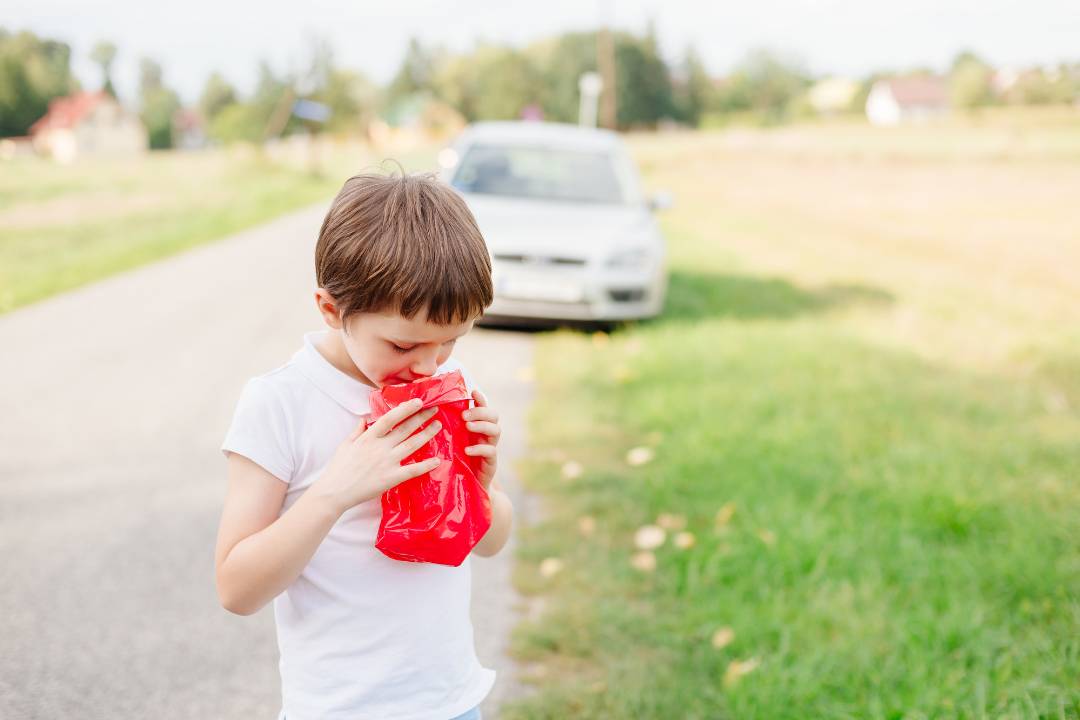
488,82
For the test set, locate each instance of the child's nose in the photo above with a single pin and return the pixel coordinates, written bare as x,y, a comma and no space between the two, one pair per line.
426,365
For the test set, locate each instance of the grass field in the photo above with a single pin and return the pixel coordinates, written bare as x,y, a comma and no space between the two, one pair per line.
862,405
64,226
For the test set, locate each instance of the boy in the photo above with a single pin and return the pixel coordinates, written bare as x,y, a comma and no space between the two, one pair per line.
402,273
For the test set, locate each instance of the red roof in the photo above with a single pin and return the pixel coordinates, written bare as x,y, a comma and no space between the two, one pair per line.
919,91
68,111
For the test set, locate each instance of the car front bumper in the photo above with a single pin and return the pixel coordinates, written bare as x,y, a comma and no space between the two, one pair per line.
577,295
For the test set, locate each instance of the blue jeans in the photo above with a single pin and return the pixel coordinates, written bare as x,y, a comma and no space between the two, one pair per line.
473,714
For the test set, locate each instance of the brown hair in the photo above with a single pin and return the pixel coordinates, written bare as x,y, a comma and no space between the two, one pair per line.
403,243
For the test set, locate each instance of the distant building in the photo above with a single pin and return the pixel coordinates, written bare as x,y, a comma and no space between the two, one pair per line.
88,123
910,99
832,96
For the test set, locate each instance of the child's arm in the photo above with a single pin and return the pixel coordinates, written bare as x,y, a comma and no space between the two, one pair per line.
502,518
483,420
259,554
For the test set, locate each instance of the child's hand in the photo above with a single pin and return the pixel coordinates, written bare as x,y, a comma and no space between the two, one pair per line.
484,421
368,463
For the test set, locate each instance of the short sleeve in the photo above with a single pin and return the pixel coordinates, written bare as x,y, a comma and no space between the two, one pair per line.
260,430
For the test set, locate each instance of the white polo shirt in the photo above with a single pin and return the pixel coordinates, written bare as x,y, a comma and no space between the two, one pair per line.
361,636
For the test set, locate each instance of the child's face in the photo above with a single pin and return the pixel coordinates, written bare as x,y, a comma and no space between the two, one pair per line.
388,349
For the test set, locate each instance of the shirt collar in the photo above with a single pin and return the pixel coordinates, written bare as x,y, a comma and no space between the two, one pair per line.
346,391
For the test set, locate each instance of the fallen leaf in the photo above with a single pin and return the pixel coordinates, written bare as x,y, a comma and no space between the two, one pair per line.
644,561
685,540
723,515
600,339
722,638
550,567
671,521
649,537
586,525
639,456
737,670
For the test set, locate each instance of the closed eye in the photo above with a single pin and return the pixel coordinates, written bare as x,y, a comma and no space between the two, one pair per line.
399,349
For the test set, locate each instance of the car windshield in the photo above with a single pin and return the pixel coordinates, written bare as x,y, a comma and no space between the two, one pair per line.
539,173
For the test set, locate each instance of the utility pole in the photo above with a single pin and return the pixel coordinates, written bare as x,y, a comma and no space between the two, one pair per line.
605,62
589,87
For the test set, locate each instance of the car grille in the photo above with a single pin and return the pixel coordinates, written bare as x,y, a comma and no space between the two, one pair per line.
634,295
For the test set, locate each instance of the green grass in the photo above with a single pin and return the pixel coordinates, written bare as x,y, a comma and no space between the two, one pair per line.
65,226
905,541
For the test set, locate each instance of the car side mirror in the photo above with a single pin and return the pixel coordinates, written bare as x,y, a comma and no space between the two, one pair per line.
660,201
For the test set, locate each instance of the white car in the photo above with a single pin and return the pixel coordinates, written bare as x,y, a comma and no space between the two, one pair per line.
570,234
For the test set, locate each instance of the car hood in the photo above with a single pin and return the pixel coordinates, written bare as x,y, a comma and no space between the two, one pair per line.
575,230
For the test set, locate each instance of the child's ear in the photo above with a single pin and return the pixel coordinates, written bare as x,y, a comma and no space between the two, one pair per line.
328,308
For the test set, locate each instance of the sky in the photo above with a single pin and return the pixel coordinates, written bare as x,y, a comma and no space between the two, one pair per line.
846,37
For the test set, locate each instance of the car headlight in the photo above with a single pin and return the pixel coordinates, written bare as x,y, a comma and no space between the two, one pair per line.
633,258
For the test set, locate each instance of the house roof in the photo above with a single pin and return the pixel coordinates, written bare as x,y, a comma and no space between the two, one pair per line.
68,111
919,91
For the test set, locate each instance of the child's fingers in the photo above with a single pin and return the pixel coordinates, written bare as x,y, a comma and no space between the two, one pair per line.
364,420
410,426
481,413
481,450
407,472
410,445
492,430
479,398
387,422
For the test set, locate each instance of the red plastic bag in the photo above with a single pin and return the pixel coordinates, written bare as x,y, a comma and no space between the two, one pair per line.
437,517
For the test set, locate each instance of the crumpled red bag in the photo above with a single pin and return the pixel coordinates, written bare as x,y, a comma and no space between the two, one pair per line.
437,517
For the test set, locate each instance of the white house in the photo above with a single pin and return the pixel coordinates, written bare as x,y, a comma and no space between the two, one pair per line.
910,99
88,123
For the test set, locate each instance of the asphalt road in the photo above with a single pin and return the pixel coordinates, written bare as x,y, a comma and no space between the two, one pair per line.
115,399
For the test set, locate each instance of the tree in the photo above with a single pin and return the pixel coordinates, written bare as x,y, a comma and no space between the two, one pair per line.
970,82
416,74
33,71
765,84
351,97
104,53
217,95
692,88
643,83
491,83
158,103
561,62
